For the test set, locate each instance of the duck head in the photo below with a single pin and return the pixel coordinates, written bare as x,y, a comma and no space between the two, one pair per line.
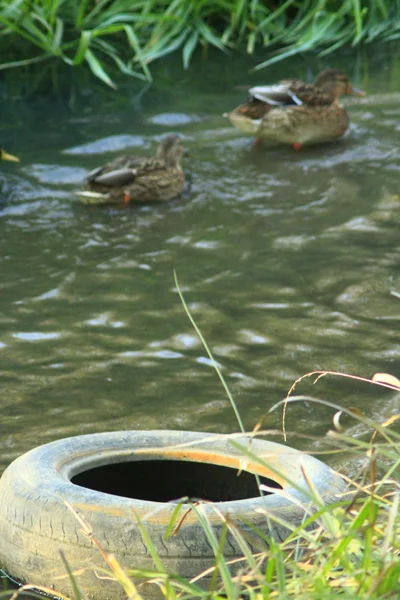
336,83
171,150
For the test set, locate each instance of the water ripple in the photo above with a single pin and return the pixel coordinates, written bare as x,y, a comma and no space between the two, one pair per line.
287,262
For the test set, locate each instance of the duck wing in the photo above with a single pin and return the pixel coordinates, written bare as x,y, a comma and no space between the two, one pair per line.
119,171
116,178
150,165
291,92
280,94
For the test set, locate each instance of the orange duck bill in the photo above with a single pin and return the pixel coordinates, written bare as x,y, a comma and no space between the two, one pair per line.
352,91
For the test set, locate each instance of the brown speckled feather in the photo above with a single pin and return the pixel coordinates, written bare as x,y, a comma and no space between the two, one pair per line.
130,179
309,93
299,124
152,183
294,112
253,108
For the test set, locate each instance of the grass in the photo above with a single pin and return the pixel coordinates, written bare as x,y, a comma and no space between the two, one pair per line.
352,552
126,36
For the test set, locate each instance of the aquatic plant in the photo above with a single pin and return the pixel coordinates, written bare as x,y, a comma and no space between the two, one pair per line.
127,35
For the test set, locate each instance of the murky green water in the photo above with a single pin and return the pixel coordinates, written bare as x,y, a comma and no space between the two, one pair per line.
286,260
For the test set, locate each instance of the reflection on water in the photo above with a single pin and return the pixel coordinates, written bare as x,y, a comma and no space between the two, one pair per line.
286,260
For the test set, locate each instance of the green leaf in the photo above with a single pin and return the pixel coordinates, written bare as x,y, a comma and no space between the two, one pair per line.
189,48
135,45
162,49
83,47
15,28
251,42
97,69
208,35
126,69
58,36
80,14
23,63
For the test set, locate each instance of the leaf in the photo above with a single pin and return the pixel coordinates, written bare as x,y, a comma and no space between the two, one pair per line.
58,36
336,421
135,45
251,42
164,49
83,47
14,28
126,69
23,63
80,14
386,378
391,420
189,47
208,35
97,69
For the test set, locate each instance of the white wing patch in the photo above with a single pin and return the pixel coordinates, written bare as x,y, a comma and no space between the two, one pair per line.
88,195
295,99
276,95
117,177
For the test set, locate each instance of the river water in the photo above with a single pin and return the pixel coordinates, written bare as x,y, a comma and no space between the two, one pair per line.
288,263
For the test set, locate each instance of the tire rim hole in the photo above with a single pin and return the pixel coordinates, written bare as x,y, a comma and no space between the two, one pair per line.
171,480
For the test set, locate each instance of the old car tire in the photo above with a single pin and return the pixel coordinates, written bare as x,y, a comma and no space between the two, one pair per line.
107,477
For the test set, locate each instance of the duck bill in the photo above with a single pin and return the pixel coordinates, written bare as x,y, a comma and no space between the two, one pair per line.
352,91
10,157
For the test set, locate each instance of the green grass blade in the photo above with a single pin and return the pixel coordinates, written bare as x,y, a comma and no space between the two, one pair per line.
56,42
189,47
75,587
23,63
215,364
97,69
135,45
217,547
83,47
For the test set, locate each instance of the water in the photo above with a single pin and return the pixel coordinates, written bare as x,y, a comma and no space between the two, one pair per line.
286,260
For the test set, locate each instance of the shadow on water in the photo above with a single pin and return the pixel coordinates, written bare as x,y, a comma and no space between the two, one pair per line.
287,262
8,588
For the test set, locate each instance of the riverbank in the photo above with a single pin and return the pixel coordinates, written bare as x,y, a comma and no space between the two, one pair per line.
112,36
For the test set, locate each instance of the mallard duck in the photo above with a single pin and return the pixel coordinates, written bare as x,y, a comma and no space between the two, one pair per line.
294,112
134,179
5,156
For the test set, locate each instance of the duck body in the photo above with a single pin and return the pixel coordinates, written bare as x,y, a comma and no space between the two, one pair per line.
294,112
297,125
130,179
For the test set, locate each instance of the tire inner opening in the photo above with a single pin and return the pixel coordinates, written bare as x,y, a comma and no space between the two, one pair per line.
169,480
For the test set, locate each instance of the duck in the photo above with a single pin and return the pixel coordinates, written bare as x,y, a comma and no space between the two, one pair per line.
295,112
6,156
132,179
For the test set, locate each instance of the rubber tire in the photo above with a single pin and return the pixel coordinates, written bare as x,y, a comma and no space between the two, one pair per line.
35,523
